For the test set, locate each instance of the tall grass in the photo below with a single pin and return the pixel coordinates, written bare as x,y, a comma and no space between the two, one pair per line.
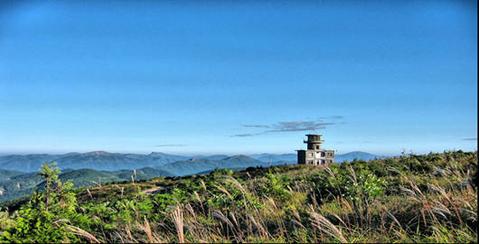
290,205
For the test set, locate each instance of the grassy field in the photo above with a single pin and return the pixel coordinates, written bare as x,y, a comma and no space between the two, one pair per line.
412,198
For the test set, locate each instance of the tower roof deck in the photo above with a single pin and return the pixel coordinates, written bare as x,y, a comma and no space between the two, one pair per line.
313,138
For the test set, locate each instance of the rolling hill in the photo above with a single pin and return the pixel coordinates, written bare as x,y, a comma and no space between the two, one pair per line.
98,160
195,166
410,198
19,184
269,157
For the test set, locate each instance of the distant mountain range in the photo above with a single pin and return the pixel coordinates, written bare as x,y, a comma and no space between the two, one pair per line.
98,160
268,157
19,177
356,155
196,165
178,165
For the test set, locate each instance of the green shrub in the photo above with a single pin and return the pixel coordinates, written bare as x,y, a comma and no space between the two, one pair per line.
48,213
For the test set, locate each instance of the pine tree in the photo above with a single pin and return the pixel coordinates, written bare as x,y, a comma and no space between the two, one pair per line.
48,213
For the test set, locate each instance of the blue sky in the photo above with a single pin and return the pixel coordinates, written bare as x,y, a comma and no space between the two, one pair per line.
237,77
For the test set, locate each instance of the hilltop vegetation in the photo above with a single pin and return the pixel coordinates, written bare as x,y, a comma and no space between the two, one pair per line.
93,168
412,198
14,184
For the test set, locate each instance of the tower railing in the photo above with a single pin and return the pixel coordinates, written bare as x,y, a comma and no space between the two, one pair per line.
315,141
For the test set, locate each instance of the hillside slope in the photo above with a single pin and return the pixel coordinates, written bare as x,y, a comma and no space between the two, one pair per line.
15,184
415,198
195,166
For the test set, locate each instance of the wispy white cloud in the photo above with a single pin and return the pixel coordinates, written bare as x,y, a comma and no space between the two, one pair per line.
291,126
256,126
247,134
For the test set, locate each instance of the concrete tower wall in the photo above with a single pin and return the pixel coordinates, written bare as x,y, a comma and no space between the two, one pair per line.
314,154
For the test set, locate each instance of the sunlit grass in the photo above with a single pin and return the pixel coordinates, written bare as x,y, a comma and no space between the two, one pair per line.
429,198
